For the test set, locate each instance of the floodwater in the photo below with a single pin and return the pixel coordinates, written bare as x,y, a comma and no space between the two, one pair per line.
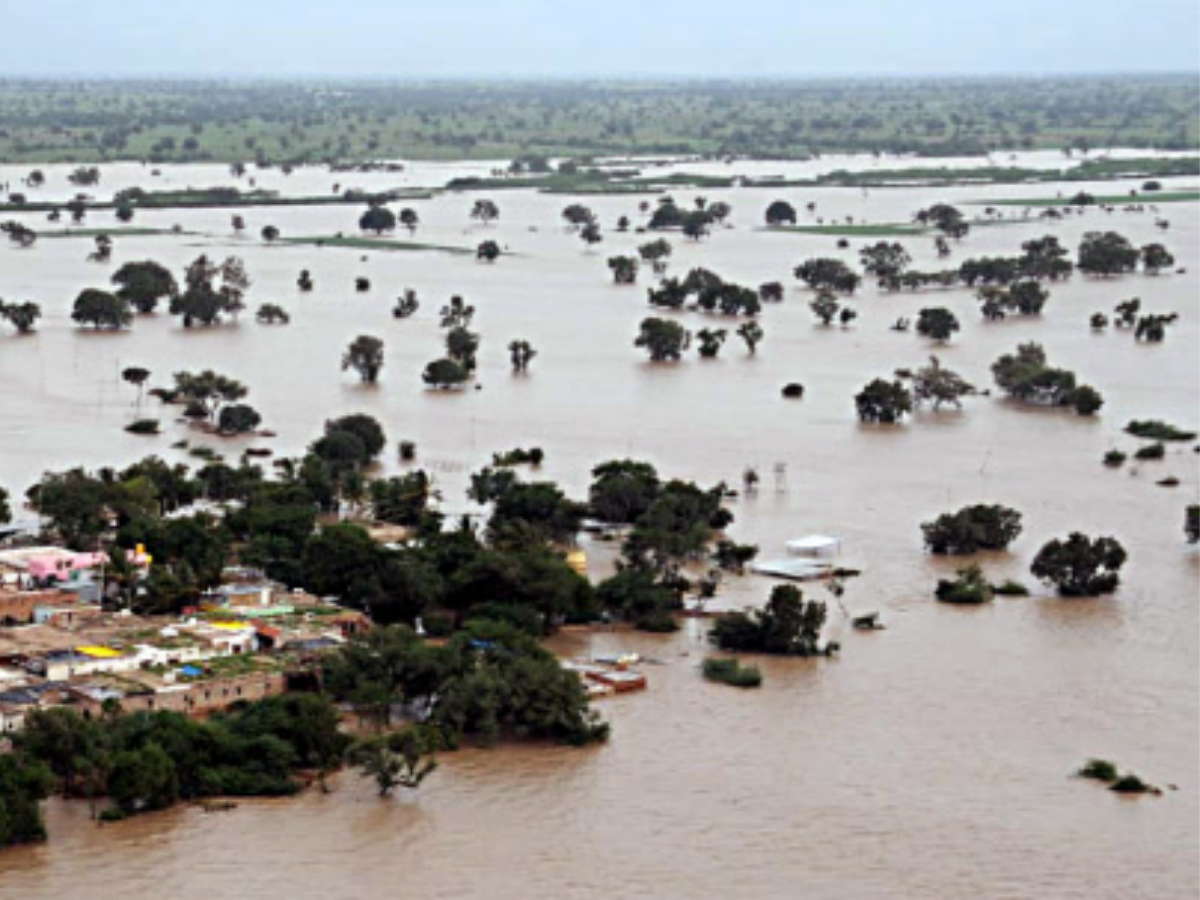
932,759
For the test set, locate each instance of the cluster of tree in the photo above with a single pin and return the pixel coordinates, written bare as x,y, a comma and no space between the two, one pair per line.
826,307
1026,376
672,523
936,384
982,526
19,233
1026,297
1106,253
147,761
1149,327
462,346
710,291
945,218
211,290
787,624
694,223
489,681
828,274
378,218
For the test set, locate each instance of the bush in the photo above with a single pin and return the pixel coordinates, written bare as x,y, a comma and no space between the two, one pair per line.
968,586
793,390
1010,588
732,673
1100,770
408,451
143,426
1156,430
1131,784
1114,458
1151,451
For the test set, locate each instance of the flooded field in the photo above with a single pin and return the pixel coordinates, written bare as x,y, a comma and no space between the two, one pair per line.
931,760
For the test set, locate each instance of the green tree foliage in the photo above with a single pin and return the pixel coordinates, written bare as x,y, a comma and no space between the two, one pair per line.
401,759
22,316
365,356
828,274
982,526
445,374
378,219
144,284
211,291
1027,376
1106,253
487,682
938,385
209,389
884,260
272,314
23,783
968,586
101,309
945,218
780,212
622,490
937,323
663,339
788,624
1080,566
884,402
1155,258
238,418
401,500
624,269
656,253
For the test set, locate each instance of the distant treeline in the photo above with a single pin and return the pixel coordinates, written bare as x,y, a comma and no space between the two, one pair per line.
310,121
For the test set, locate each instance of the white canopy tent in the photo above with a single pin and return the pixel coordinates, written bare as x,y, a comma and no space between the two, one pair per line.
814,545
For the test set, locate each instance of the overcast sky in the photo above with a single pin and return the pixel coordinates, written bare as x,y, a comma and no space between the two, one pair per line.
515,38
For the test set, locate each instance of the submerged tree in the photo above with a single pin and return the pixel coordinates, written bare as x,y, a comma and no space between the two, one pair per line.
663,339
884,402
788,624
144,284
22,316
100,309
365,356
937,323
711,341
521,353
938,385
1081,566
752,333
973,528
624,269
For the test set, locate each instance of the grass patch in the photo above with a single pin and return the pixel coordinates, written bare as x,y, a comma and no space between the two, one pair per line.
732,673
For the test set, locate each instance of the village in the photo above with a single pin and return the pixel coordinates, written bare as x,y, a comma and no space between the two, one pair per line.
61,645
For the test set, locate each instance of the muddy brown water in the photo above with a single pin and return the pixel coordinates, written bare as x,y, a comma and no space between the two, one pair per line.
930,760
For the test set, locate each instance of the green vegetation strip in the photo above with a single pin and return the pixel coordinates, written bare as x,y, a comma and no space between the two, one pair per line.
1150,197
365,243
884,230
110,232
